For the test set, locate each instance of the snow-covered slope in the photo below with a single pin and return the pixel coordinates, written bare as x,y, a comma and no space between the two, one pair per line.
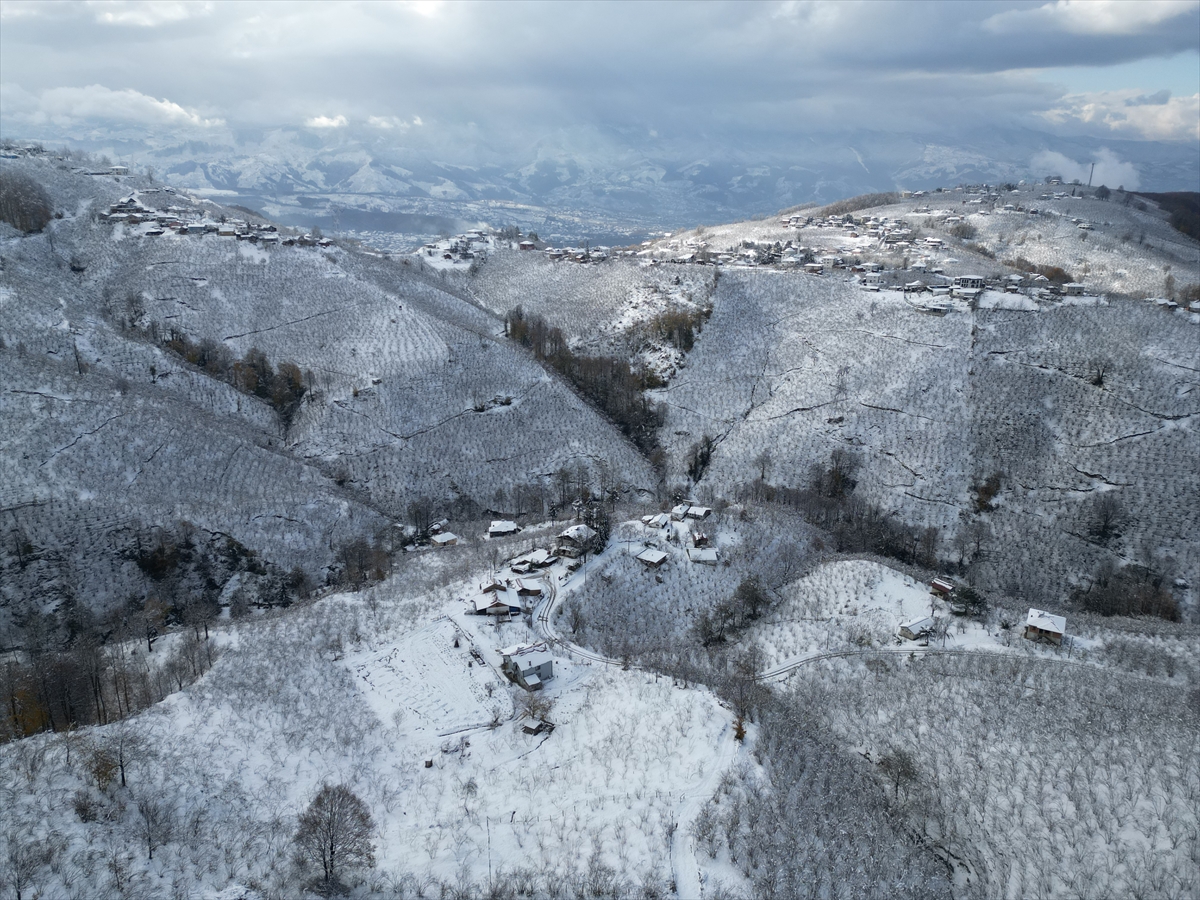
107,435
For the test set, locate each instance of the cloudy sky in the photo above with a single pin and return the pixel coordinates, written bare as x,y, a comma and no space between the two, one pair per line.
500,75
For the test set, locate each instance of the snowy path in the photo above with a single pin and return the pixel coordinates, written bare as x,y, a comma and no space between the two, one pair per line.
684,867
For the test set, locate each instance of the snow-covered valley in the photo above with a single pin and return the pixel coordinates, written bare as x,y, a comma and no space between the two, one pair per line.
842,553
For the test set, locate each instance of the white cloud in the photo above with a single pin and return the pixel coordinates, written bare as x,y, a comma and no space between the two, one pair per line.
146,14
98,102
1110,170
1097,17
1156,117
326,122
393,122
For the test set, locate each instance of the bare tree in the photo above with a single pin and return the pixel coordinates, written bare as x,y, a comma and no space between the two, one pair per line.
20,863
1107,513
156,823
899,766
336,831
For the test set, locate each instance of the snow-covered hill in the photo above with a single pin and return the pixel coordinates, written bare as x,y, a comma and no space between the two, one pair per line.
1066,396
108,435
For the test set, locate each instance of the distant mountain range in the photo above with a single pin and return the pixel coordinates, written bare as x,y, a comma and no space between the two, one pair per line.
604,187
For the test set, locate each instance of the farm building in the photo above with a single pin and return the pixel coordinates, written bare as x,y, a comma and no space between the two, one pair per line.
502,528
526,588
445,539
916,628
1042,626
529,665
941,587
575,540
652,558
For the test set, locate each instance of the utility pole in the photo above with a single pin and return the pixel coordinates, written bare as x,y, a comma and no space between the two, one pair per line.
1090,174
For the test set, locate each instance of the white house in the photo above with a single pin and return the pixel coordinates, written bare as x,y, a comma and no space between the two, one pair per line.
652,558
1073,289
916,628
502,528
529,665
1042,626
704,555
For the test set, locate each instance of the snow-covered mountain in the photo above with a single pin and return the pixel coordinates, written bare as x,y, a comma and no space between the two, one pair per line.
599,185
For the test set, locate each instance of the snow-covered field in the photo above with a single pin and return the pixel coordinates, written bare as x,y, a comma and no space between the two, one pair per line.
363,690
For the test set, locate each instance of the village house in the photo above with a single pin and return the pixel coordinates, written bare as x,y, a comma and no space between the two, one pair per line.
1073,289
704,555
652,558
1042,626
529,665
445,539
914,629
496,599
502,528
574,541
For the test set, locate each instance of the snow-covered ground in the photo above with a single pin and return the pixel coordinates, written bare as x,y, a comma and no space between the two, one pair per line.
364,690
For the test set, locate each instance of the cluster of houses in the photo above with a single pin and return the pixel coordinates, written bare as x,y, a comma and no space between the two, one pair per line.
577,254
1039,625
468,247
696,543
183,220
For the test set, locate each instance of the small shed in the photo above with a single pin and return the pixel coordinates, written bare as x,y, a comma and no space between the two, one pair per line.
445,539
527,588
502,528
652,558
1042,626
529,665
916,628
941,587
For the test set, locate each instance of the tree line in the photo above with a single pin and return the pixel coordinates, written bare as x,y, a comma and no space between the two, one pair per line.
283,386
606,381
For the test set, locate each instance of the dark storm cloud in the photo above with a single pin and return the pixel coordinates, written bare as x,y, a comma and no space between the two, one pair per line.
494,75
